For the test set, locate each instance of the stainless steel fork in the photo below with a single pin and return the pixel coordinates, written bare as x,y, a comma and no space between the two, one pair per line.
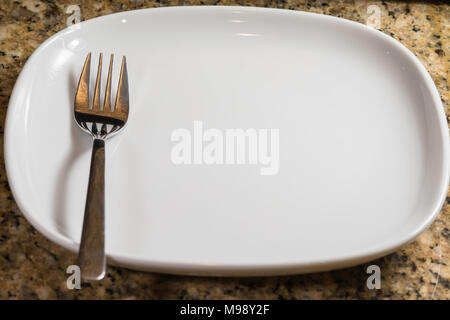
100,123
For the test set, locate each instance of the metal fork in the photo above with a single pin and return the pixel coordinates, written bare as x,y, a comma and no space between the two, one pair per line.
100,123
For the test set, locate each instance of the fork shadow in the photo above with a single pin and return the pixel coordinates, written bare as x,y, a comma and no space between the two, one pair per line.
79,145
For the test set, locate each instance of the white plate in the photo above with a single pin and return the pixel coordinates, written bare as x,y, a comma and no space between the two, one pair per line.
363,143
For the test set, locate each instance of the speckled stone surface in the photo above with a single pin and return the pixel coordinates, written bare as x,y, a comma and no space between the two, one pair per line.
33,267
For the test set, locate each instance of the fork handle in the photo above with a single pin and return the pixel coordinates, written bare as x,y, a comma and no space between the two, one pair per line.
91,256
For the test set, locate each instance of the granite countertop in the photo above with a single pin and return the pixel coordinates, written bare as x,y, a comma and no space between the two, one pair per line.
33,267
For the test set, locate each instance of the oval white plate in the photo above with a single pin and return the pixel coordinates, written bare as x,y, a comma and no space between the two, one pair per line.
363,144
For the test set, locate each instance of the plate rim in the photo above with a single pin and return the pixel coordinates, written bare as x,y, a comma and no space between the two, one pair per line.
233,269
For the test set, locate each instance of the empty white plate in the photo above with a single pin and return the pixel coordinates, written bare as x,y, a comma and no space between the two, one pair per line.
361,168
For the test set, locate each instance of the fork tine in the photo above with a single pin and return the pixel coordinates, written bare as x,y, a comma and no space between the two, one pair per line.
96,103
104,129
107,103
122,98
82,95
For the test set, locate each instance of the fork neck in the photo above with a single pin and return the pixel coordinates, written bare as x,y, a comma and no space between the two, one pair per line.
98,143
